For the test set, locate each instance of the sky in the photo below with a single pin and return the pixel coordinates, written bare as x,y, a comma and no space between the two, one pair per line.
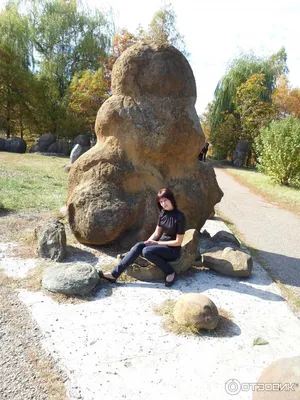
217,31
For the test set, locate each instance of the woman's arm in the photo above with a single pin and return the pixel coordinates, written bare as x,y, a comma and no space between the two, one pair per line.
156,234
172,243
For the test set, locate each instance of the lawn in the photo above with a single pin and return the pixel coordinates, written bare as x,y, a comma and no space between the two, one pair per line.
283,196
32,182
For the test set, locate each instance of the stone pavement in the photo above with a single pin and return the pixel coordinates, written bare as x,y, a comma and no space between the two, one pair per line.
272,231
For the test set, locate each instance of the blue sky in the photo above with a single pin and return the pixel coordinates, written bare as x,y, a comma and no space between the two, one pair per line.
216,31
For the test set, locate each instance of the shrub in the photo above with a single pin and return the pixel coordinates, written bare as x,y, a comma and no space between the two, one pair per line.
278,148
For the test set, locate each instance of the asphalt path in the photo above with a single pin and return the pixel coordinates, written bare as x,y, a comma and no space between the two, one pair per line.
263,226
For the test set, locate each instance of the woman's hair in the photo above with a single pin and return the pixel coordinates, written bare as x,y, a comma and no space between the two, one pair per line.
168,194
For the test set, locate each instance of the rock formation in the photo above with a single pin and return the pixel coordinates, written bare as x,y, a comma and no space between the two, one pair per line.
148,137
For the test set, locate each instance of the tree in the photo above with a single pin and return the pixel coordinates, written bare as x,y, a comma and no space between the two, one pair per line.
286,99
163,29
278,147
225,137
121,41
68,39
86,95
238,72
254,111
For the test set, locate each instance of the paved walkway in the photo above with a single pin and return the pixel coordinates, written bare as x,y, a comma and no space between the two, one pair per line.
274,232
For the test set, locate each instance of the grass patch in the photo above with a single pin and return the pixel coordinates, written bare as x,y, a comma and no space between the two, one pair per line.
32,182
283,196
259,341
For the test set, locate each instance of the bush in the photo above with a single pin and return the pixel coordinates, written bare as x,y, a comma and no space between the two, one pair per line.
278,149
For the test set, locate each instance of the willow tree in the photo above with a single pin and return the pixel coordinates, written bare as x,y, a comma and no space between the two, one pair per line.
238,72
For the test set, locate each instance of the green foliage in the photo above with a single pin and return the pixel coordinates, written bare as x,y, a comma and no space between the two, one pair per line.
278,148
238,72
225,136
254,111
163,29
41,48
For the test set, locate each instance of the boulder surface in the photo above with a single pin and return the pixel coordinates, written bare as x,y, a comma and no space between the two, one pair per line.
148,137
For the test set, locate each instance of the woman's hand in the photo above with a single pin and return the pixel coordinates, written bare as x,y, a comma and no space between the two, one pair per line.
150,242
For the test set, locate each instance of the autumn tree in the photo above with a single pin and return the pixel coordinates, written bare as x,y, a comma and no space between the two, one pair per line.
286,99
121,41
87,92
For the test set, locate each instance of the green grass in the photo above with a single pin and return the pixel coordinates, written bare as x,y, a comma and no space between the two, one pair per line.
32,182
283,196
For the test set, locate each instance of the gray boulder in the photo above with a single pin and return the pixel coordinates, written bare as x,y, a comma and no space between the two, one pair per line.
77,151
240,153
45,141
83,140
15,145
231,261
70,279
2,144
51,241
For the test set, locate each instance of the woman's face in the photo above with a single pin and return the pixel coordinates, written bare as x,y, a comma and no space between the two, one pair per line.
166,204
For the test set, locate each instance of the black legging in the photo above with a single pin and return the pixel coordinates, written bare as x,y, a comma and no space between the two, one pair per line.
157,254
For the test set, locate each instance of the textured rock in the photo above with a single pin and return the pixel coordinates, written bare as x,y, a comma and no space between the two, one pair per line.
197,310
51,241
71,279
283,373
148,137
188,253
148,273
230,261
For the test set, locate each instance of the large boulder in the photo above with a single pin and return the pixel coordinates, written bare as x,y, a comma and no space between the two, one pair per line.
148,137
279,381
15,145
196,310
71,279
51,241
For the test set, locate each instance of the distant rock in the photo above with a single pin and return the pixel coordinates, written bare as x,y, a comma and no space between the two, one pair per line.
15,145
